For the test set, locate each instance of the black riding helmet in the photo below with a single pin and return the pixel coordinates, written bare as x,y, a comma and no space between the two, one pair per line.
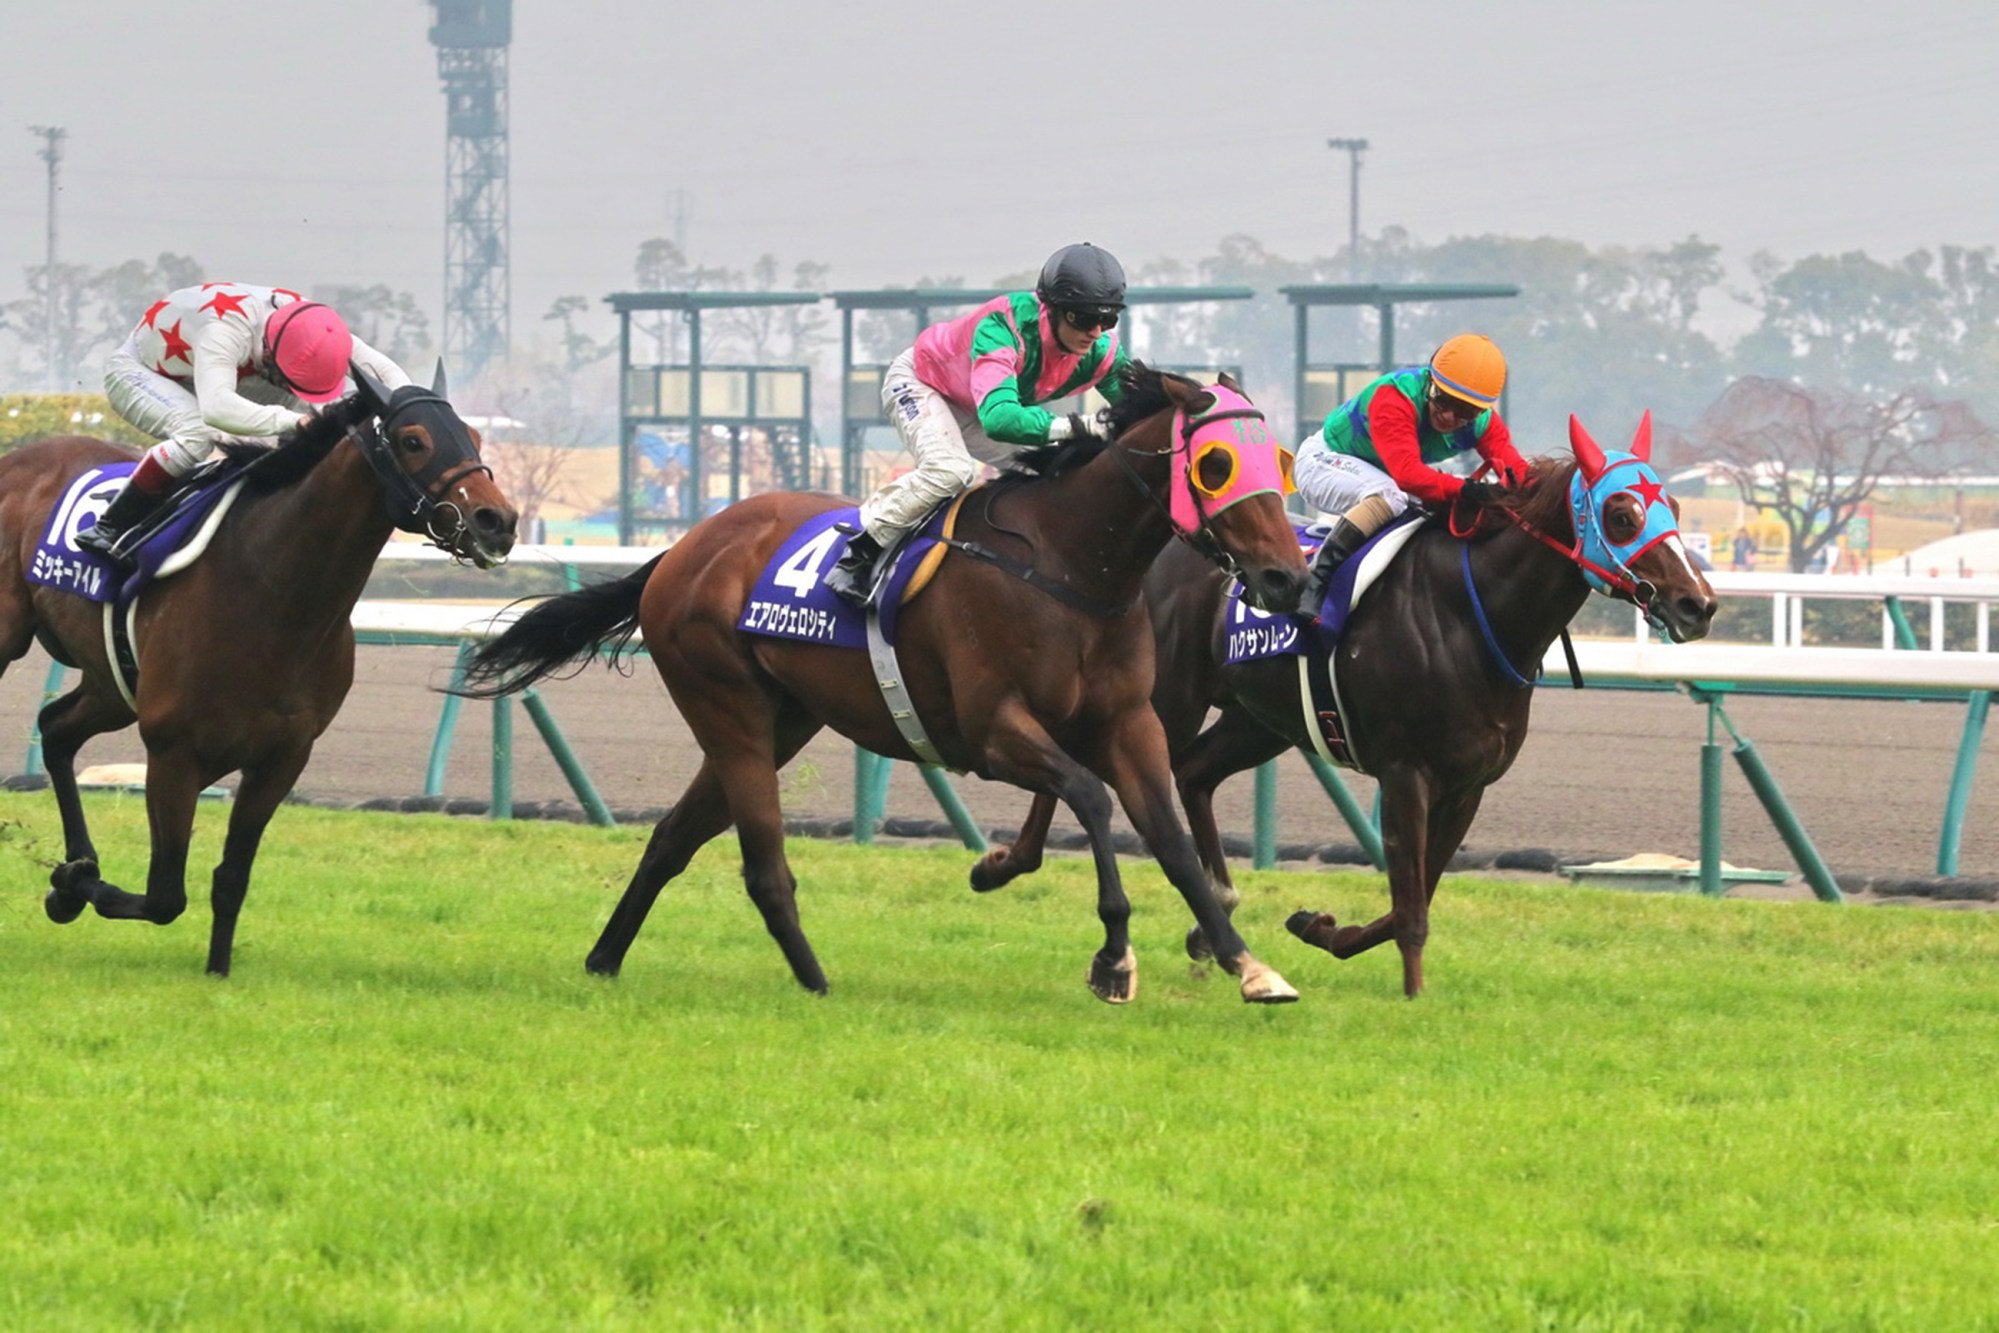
1082,277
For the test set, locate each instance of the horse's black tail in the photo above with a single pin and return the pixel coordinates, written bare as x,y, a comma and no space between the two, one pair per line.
570,627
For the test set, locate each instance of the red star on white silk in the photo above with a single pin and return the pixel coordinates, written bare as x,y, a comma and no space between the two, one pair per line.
222,303
153,311
177,347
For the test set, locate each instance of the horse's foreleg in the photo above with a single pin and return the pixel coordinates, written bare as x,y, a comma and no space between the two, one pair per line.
1020,751
1137,768
1407,842
66,724
262,789
701,813
1002,865
1236,742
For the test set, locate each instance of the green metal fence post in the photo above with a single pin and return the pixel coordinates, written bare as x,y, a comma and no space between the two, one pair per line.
565,759
969,832
1711,882
447,725
1905,634
1979,704
871,774
503,758
1364,830
1781,816
1266,815
51,689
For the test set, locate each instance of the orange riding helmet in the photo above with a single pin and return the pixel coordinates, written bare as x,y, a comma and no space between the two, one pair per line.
1470,367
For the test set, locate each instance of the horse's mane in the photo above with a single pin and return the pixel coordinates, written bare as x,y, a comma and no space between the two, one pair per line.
1542,502
1143,395
299,450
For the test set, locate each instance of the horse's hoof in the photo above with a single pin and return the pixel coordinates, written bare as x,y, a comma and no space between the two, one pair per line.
601,967
69,891
991,871
1114,984
1262,985
1197,945
1315,928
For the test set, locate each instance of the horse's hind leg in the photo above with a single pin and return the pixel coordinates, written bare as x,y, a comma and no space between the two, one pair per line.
1003,865
262,789
66,724
751,783
1236,742
173,784
699,815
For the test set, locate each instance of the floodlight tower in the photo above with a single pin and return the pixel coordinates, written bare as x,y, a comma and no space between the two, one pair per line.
471,37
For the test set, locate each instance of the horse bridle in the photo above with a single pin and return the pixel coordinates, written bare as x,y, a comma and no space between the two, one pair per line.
416,501
1202,539
1620,581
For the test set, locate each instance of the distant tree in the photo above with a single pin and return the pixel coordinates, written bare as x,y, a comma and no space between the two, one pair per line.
579,349
767,334
542,415
94,311
1812,457
1604,334
1868,326
661,267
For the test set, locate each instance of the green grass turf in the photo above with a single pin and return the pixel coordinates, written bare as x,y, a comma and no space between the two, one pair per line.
411,1107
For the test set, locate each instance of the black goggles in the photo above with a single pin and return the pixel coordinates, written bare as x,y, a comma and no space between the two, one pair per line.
1452,406
1089,321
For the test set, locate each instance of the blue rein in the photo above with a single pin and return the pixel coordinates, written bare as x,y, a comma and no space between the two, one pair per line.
1484,625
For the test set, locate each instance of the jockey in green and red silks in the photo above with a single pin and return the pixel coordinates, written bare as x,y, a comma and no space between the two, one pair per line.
1374,457
969,393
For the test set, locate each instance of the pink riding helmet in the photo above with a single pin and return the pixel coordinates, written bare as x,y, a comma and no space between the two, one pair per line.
309,346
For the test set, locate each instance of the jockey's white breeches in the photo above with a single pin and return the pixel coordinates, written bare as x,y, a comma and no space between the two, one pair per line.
946,442
1334,483
162,408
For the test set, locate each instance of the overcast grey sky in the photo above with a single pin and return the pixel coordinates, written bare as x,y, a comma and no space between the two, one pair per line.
301,142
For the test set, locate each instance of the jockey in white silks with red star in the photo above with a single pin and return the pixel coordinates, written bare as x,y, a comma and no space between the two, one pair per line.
224,360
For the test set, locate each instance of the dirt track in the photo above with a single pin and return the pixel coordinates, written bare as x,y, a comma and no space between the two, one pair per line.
1602,772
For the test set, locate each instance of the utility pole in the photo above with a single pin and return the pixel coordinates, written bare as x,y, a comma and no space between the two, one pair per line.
52,137
1353,148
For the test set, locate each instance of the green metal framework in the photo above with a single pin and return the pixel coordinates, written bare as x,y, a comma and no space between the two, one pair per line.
697,397
471,37
1318,389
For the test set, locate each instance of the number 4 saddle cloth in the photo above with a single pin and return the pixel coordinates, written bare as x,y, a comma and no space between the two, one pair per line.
791,599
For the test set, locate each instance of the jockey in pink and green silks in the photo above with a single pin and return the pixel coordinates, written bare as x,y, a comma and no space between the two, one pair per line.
969,393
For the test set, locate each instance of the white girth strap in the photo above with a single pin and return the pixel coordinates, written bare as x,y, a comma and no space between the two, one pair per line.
888,677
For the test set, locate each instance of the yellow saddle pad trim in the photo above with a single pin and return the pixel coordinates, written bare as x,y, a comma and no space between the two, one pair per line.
935,555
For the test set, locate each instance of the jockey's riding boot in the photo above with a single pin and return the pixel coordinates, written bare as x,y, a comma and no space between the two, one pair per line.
1349,533
852,578
127,510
